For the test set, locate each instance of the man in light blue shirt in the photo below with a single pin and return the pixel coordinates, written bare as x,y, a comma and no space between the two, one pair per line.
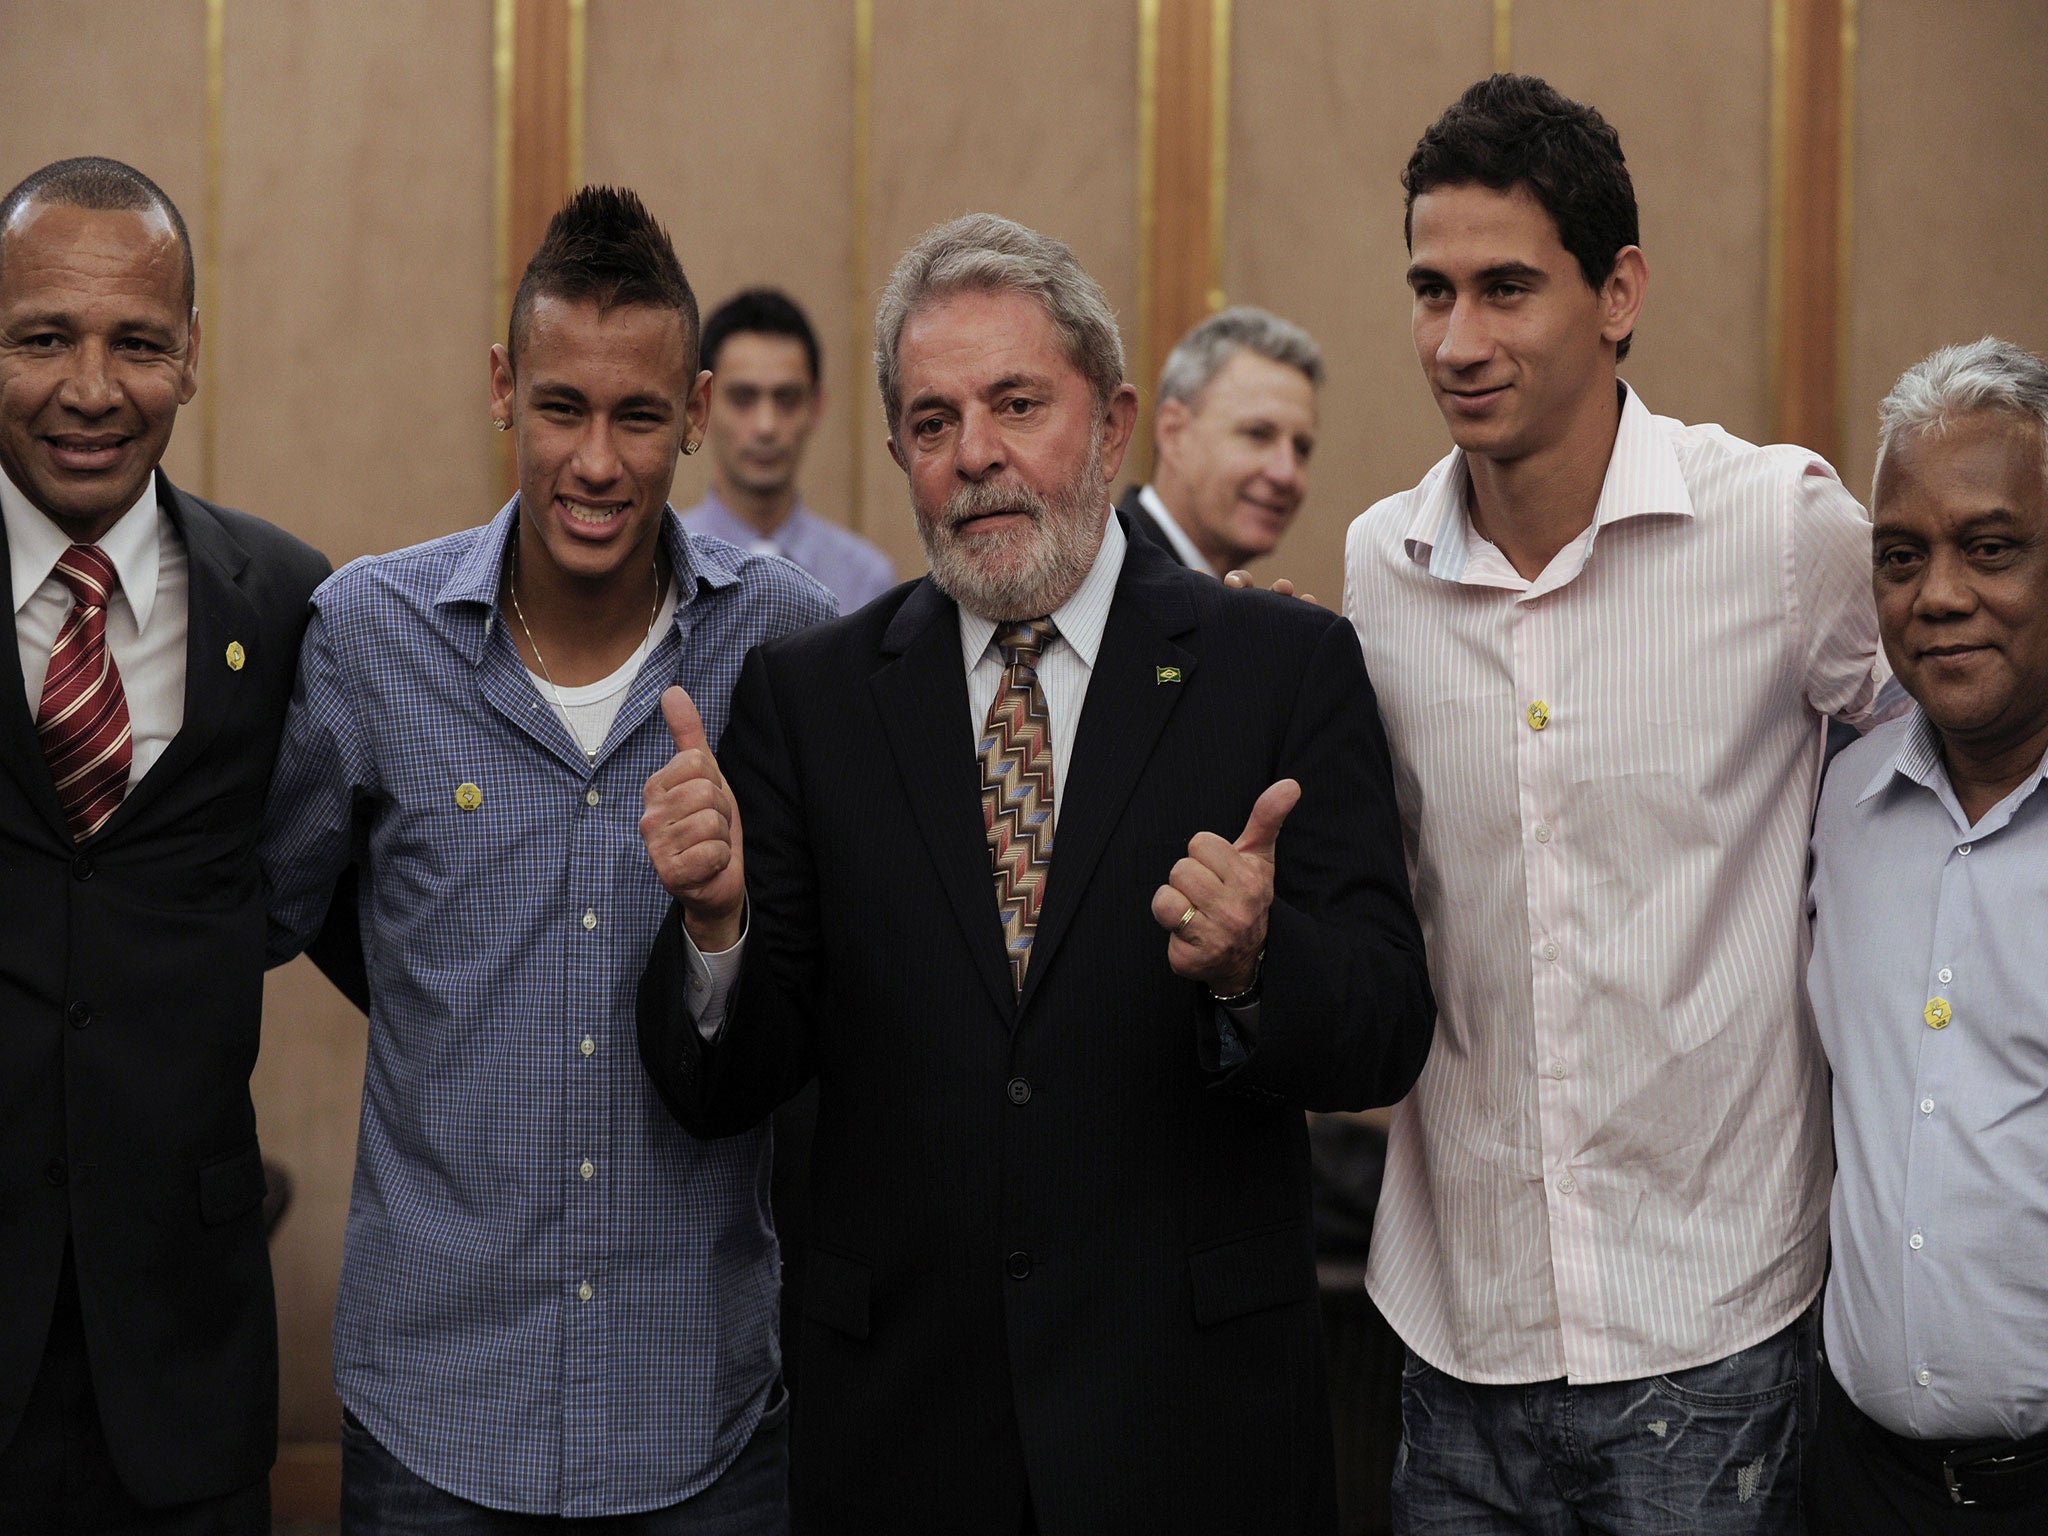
767,396
1930,900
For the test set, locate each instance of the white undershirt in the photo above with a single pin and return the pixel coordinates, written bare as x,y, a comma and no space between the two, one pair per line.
1176,535
588,711
147,616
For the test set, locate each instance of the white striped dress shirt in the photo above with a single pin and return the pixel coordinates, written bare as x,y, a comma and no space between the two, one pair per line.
1616,1161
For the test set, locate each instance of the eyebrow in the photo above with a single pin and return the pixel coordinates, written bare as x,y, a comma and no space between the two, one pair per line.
1493,274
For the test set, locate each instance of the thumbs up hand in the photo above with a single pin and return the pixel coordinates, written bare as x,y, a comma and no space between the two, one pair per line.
692,830
1214,904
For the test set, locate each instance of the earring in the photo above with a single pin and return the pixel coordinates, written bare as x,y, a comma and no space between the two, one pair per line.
690,446
501,425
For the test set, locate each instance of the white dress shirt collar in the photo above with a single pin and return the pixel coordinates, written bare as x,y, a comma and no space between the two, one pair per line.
134,544
1642,480
1183,546
1080,620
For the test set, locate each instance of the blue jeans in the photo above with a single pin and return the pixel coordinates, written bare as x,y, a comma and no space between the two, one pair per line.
381,1496
1716,1449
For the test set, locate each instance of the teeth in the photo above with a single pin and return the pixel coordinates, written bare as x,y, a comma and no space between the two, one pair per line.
584,514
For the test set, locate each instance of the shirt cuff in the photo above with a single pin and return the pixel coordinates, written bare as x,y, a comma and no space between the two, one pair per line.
708,984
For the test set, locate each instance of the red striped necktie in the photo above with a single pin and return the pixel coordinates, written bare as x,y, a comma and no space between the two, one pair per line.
1017,788
83,719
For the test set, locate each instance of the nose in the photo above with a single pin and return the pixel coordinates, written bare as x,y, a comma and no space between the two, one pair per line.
979,450
1287,469
763,417
1465,342
1944,591
89,386
596,460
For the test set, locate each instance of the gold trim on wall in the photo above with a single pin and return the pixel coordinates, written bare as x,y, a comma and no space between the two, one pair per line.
1148,206
858,352
209,265
1780,195
1845,219
1219,145
504,25
579,81
1503,36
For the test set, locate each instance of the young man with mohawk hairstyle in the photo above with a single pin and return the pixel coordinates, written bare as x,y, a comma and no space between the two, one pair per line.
556,1306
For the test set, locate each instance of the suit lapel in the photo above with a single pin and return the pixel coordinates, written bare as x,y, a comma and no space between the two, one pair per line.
20,746
218,613
1127,707
922,698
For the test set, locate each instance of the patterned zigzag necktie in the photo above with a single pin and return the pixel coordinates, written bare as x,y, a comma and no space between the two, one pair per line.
1016,787
83,719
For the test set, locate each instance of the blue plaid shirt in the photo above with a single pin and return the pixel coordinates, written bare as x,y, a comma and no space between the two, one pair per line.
553,1299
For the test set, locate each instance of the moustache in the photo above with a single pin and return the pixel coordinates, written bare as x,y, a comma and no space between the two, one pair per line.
972,501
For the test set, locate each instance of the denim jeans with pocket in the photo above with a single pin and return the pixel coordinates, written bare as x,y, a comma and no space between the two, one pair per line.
1711,1451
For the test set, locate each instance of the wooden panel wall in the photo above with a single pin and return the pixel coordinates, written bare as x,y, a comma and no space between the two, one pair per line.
344,370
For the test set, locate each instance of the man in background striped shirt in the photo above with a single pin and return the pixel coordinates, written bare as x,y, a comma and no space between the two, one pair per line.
1606,645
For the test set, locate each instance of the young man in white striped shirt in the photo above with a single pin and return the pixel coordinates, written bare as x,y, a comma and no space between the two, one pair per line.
1606,646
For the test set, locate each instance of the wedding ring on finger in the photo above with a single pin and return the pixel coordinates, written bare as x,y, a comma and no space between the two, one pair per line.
1185,918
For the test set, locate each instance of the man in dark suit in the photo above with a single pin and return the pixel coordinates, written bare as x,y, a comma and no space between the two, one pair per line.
1232,433
156,638
1062,1277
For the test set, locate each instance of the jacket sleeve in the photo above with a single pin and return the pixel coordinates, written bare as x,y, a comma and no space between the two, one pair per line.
766,1051
1345,1011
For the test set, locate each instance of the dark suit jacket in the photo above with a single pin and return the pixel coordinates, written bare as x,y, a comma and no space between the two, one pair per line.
131,988
1058,1255
1144,523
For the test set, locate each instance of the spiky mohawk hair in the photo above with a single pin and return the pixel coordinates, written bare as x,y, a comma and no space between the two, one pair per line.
603,246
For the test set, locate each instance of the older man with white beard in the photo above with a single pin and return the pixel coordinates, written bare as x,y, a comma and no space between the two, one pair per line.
1062,1277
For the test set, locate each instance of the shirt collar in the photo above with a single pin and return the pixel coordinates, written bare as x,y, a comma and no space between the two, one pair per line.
1080,620
720,520
1918,760
478,573
1183,546
134,544
1643,479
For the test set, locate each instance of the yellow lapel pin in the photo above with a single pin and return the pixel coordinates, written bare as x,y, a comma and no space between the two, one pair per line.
1165,674
236,655
468,797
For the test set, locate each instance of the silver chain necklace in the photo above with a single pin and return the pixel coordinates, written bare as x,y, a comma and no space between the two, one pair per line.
561,709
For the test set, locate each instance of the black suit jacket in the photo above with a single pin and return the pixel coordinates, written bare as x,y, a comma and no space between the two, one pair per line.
131,989
1142,522
1058,1255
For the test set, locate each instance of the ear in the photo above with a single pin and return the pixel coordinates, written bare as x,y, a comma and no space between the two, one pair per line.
1118,422
1168,423
1621,296
501,382
698,408
817,405
188,373
896,452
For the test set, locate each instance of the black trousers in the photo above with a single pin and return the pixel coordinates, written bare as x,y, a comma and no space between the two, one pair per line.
57,1476
1858,1484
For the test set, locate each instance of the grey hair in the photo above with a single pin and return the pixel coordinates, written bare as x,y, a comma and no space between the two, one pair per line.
1200,355
982,253
1986,375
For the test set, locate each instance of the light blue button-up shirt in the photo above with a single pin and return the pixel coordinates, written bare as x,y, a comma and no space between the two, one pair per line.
553,1299
1930,985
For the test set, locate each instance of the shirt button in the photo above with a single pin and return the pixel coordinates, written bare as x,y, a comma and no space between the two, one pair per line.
1556,1068
592,797
1965,852
1945,975
1927,1106
1019,1265
589,919
1916,1242
1020,1091
1567,1184
587,1046
1548,951
1924,1376
78,1015
1538,715
585,1291
1542,834
587,1168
